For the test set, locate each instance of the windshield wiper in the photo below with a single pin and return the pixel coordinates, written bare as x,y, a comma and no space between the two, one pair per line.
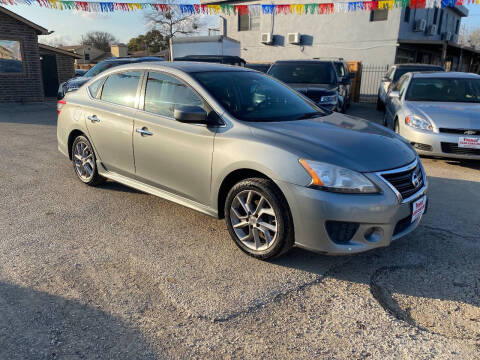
309,115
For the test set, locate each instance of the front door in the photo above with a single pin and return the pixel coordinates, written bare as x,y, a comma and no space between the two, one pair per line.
171,155
49,75
110,121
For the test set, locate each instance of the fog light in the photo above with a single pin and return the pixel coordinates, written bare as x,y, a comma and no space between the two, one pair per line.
423,147
374,234
341,232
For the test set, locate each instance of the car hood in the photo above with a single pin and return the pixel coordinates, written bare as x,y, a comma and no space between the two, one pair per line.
448,115
340,140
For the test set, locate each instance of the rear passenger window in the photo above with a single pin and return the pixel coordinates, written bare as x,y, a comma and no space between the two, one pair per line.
121,88
164,93
93,89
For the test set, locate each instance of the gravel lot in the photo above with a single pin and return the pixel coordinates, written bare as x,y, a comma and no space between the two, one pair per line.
112,273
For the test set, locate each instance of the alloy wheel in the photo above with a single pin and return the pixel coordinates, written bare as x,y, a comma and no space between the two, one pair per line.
84,160
253,220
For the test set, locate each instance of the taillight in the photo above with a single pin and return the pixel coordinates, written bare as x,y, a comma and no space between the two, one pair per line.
60,105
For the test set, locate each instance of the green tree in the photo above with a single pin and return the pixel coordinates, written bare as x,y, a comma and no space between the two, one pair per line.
153,41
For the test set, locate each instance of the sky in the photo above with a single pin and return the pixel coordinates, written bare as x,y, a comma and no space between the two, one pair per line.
68,26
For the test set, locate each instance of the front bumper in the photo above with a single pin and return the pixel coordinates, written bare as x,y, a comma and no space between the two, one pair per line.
382,215
439,144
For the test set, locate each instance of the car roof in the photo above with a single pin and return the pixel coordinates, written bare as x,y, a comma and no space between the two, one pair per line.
184,66
309,61
134,59
443,74
418,65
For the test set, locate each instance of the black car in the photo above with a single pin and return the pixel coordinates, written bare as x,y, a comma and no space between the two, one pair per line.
345,79
219,59
77,81
80,72
317,79
259,67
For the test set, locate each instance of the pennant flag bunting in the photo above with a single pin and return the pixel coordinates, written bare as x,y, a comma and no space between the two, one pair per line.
228,9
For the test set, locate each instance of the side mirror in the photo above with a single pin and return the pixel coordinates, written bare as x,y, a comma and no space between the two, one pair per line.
345,80
351,75
190,114
394,94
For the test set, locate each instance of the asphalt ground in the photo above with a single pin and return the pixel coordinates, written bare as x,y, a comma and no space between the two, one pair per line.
113,273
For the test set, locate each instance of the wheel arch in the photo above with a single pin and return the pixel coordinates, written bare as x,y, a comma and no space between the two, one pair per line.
236,176
71,138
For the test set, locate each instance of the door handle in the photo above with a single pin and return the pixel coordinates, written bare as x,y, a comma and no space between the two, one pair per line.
144,131
93,118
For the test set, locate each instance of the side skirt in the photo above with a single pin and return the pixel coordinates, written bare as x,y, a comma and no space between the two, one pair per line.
155,191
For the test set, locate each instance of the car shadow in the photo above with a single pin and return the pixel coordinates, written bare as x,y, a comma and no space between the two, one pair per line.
114,186
35,324
33,114
439,260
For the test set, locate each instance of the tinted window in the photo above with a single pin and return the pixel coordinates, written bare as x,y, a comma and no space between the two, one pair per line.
251,96
121,88
95,87
444,90
314,73
164,93
403,70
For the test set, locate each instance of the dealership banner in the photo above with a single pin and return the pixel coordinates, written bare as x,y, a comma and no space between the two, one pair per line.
229,9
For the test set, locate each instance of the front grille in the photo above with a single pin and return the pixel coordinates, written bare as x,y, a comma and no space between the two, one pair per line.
403,181
402,225
467,132
341,232
452,148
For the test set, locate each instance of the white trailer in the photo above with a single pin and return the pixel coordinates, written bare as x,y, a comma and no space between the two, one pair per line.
203,45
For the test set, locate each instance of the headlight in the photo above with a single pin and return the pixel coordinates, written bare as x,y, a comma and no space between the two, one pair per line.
337,179
418,122
328,99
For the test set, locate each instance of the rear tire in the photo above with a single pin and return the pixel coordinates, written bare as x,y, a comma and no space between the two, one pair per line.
258,218
85,162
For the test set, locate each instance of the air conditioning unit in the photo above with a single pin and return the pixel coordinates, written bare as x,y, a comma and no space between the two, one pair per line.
267,38
447,36
294,38
420,25
432,30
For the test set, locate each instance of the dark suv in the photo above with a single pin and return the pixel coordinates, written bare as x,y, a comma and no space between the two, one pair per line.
76,82
317,79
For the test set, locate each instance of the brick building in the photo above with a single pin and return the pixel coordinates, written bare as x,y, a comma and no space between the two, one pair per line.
25,66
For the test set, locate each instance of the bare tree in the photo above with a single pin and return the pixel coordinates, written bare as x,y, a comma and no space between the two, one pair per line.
474,38
172,22
99,39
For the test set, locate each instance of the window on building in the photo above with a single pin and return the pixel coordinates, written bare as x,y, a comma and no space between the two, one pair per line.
248,22
406,15
379,15
457,26
121,88
11,61
440,22
87,57
435,16
164,93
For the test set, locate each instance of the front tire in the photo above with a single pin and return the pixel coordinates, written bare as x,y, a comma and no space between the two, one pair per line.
258,218
85,162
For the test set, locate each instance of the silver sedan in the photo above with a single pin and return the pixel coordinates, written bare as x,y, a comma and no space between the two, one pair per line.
236,144
438,113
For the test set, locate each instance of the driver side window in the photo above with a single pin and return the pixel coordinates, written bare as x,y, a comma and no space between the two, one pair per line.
163,93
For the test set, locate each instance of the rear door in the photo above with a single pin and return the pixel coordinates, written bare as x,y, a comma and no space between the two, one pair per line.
110,121
173,156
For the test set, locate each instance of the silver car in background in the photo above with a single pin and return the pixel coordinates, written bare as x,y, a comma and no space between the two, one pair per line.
237,144
438,113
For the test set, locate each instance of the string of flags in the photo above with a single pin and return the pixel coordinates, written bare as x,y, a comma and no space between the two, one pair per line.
230,9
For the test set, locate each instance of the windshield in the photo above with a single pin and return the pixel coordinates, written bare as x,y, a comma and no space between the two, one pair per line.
100,67
252,96
403,70
444,90
315,73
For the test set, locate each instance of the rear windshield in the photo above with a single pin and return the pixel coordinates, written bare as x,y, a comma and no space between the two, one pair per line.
444,90
252,96
403,70
315,73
